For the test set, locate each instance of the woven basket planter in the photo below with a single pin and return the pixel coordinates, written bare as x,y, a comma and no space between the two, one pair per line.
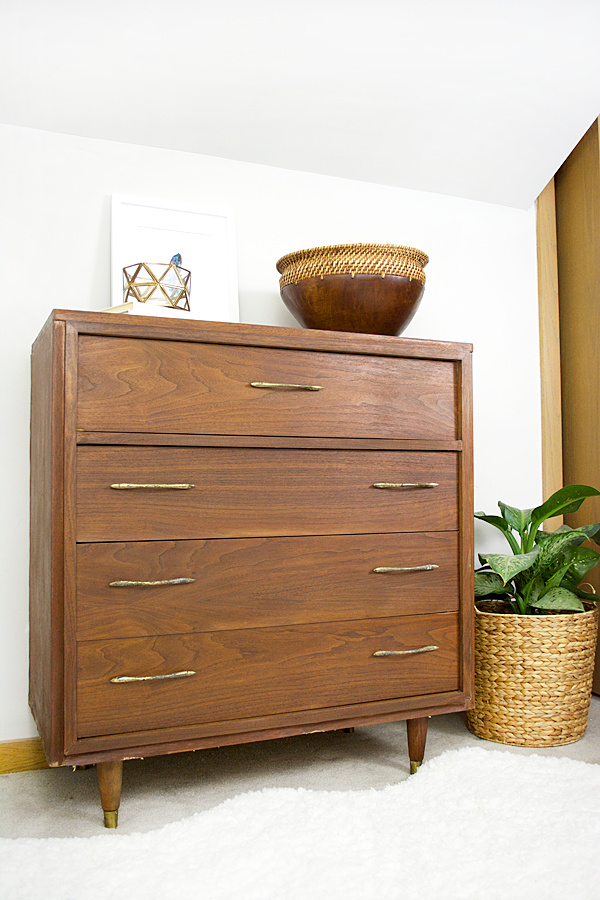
533,676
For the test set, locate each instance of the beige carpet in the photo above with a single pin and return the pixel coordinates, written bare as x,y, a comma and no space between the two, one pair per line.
160,790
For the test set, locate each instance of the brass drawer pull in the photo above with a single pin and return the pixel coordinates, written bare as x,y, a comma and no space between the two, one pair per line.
297,387
405,652
122,679
417,484
151,583
164,487
427,568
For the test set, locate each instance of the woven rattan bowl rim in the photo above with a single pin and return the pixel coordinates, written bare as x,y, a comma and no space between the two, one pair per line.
352,259
417,256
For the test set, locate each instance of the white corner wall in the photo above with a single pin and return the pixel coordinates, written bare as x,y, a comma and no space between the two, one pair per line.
55,238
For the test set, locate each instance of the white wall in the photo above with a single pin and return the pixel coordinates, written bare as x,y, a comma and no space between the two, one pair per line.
55,249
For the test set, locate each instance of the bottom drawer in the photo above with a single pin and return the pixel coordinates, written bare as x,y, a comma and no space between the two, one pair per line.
261,671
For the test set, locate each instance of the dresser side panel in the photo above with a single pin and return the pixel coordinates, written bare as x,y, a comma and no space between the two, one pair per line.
46,570
466,525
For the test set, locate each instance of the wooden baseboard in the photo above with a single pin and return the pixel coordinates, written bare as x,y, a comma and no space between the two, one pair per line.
21,756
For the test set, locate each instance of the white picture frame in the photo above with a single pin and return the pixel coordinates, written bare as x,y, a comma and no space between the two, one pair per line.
147,230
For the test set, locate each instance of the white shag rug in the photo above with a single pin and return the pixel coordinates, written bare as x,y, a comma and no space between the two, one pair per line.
472,823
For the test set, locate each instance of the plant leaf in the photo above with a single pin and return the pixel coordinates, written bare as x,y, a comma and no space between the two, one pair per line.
542,535
554,545
591,531
498,521
556,578
518,519
509,566
560,598
502,525
581,560
535,590
595,598
567,500
487,583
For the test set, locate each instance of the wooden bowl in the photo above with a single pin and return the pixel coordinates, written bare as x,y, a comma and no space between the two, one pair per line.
367,288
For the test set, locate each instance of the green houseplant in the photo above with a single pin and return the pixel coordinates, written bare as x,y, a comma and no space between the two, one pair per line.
535,627
545,569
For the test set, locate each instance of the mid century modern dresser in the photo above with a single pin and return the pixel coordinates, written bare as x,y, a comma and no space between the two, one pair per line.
243,532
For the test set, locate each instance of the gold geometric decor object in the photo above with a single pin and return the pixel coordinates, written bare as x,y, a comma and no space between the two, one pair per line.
160,284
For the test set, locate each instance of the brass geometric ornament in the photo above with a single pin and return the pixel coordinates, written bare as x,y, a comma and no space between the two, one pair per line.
160,284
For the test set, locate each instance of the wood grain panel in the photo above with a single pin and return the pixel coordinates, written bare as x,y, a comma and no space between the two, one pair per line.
147,439
241,334
550,365
260,671
578,230
261,582
577,185
256,493
46,537
177,387
22,756
133,745
466,535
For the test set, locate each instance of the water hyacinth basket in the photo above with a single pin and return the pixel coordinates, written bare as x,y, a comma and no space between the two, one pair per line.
533,676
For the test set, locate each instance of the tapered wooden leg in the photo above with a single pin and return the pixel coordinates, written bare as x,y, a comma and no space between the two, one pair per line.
416,730
110,775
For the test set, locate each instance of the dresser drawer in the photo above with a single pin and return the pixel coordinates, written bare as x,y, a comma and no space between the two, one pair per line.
138,385
248,583
242,492
261,671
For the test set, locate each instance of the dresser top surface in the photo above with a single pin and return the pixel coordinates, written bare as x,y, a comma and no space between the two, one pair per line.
115,325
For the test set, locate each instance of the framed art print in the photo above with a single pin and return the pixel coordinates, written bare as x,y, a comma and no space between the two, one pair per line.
156,232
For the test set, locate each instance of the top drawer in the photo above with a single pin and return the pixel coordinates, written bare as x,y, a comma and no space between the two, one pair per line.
180,387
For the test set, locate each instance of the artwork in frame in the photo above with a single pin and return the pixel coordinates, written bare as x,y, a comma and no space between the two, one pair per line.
153,231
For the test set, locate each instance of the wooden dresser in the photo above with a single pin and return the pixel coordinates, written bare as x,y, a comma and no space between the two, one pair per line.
242,532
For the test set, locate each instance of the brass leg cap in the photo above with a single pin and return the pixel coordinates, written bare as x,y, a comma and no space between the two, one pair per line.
110,818
414,765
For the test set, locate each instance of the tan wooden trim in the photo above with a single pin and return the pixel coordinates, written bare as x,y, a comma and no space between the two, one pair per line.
577,184
549,321
21,756
578,229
